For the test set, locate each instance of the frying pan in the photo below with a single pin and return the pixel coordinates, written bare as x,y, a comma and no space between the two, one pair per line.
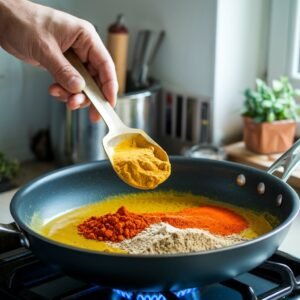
75,186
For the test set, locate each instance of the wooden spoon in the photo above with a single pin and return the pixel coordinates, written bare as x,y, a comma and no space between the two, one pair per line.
118,131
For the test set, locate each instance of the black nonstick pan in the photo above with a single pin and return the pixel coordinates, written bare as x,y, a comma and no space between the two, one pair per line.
75,186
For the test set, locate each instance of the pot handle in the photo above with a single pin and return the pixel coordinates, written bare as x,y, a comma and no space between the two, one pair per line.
288,160
13,229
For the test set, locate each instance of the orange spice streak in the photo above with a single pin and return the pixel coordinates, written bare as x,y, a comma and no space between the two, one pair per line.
125,225
217,220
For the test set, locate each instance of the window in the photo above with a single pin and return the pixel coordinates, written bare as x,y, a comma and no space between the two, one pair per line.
284,42
295,41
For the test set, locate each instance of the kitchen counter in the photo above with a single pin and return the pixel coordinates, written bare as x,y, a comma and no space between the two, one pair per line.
32,169
28,171
238,152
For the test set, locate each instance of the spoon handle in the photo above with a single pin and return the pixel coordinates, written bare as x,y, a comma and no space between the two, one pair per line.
93,92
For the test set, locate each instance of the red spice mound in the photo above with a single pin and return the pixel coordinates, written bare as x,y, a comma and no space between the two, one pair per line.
113,227
125,225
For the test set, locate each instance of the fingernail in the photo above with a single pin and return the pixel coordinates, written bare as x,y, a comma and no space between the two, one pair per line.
80,101
76,84
55,93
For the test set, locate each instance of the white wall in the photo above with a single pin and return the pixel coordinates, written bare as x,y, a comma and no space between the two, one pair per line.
240,57
24,105
212,48
185,60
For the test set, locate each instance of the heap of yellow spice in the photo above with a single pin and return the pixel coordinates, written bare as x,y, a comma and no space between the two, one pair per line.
140,163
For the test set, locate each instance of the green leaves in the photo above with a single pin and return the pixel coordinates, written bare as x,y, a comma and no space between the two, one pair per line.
271,116
277,86
8,168
268,104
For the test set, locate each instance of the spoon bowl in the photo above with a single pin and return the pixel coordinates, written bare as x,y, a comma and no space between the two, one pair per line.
112,139
118,131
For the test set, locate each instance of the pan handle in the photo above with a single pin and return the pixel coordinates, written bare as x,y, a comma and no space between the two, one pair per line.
13,229
288,160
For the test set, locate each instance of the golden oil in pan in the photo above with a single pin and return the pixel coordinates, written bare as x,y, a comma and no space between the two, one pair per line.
64,228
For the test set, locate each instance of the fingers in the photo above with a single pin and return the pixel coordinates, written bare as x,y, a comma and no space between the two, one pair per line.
108,89
63,72
77,101
74,101
99,61
59,92
94,115
90,49
107,78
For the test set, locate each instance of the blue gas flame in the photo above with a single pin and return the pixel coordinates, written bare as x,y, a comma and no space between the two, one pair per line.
152,296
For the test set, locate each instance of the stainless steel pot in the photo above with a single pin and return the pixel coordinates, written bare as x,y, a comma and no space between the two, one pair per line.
75,139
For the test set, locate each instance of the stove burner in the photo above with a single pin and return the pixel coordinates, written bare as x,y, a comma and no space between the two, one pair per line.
23,276
182,294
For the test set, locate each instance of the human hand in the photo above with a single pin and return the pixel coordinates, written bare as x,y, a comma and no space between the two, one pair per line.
40,35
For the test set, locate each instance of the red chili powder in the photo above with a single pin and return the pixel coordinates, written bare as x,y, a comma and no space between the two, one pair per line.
113,227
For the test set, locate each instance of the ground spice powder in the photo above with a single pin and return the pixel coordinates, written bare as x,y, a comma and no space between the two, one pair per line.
125,225
217,220
141,164
113,227
163,238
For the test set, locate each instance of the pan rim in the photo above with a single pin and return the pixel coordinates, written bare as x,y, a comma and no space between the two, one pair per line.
75,168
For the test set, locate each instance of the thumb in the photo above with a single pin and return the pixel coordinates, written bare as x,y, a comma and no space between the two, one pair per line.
63,72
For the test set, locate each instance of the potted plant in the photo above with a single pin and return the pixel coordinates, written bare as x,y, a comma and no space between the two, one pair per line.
270,114
8,170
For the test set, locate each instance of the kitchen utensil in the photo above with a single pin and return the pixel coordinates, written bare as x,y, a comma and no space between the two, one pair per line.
150,59
139,56
118,131
117,45
75,139
236,184
205,149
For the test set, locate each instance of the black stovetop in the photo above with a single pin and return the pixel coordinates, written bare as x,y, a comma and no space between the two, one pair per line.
23,276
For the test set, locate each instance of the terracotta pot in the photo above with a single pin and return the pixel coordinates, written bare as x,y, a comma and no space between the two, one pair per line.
269,138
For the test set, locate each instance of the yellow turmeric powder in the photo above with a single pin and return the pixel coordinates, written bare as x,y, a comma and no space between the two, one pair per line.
141,164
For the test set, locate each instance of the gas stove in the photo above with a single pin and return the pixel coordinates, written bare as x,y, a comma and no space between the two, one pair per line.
24,276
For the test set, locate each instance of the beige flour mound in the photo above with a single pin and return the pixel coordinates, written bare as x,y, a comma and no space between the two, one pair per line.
162,238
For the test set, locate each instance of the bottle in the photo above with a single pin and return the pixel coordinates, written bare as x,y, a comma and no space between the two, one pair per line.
117,45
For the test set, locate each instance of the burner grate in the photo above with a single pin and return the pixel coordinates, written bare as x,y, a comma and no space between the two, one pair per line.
23,276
